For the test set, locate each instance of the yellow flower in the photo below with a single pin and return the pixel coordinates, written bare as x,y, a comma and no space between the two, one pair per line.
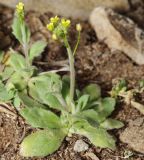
65,23
54,20
20,7
78,27
54,37
50,26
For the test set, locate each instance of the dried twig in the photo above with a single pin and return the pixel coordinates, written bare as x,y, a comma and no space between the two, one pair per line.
54,63
138,106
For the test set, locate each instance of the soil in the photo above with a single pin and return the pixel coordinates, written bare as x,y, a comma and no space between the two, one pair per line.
95,62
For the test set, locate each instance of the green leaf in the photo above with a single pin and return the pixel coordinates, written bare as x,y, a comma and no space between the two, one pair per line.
105,108
16,27
17,101
82,102
50,81
111,124
25,33
52,101
98,136
7,73
4,94
17,61
91,115
66,89
49,99
40,118
47,89
36,49
93,90
100,112
41,143
21,31
18,81
29,102
34,92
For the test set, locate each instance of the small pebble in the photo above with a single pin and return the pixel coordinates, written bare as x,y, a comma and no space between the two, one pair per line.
80,146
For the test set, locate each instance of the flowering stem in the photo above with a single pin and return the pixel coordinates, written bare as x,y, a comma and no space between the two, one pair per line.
72,69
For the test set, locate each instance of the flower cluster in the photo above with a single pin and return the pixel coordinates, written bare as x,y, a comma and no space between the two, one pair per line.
58,27
20,10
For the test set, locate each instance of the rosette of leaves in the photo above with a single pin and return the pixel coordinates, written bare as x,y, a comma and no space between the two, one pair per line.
88,115
17,68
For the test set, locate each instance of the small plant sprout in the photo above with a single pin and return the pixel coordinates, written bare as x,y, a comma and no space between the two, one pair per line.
82,112
120,90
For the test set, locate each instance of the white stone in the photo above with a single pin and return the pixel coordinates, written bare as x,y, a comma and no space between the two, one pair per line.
119,33
80,146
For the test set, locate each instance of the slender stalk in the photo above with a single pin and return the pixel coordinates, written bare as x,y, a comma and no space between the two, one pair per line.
72,69
76,46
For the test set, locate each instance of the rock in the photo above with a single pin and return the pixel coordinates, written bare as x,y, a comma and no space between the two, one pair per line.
133,135
119,33
80,146
70,8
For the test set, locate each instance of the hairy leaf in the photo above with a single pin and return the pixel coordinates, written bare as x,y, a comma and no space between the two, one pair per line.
66,89
7,73
98,136
40,118
99,113
4,94
17,61
18,81
52,101
111,124
41,143
36,49
17,101
91,115
16,27
105,108
25,33
50,81
82,102
29,102
47,89
93,90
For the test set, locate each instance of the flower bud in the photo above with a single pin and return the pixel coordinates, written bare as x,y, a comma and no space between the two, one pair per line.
54,20
20,7
78,27
20,10
50,26
54,37
65,23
